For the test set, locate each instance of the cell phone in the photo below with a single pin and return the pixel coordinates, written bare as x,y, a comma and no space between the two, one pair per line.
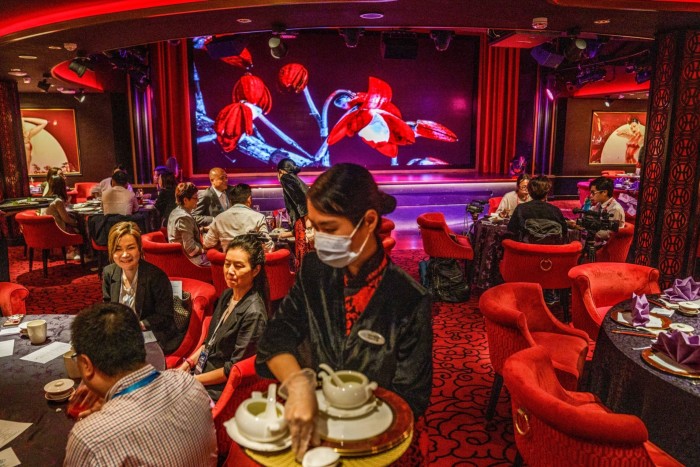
13,320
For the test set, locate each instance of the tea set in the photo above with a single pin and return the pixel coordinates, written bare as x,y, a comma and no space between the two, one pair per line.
344,396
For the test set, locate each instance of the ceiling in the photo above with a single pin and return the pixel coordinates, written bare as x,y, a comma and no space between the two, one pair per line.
96,26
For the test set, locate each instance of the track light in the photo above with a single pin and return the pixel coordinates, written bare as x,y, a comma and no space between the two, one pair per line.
43,85
442,39
79,95
80,65
642,75
351,36
590,75
607,101
278,49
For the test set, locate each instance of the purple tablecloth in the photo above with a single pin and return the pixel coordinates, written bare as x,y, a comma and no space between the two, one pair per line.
22,389
669,405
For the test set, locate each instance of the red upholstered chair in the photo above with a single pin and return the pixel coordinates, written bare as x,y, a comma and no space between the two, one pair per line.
517,318
439,241
546,265
388,244
43,233
611,173
12,297
554,426
82,190
279,276
584,191
203,298
385,229
618,246
242,381
595,287
171,258
493,204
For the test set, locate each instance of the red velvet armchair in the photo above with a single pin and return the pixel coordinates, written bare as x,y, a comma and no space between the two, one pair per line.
618,246
242,381
517,318
595,287
493,204
439,241
12,298
43,233
279,276
554,426
385,229
203,298
171,258
82,190
546,265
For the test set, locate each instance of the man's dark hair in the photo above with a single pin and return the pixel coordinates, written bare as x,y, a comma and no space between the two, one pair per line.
539,187
241,193
120,178
110,335
602,184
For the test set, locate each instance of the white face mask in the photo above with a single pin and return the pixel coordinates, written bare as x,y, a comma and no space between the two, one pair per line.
334,250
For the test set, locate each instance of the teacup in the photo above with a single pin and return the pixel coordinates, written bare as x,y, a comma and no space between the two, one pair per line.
71,365
688,308
354,392
261,419
36,330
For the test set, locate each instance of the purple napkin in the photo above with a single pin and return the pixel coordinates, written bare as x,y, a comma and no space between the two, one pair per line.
640,310
683,290
681,347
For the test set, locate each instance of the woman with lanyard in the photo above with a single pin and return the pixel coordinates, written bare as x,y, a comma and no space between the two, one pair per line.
351,306
138,284
294,191
239,319
182,228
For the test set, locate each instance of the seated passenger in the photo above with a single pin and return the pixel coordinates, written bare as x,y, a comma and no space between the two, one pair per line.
182,228
57,209
538,221
165,202
602,201
239,319
513,198
138,284
118,199
106,184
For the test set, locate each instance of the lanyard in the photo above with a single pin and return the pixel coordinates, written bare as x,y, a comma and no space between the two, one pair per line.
224,317
148,379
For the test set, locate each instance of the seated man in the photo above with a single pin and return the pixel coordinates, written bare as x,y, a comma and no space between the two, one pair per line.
538,221
238,220
140,416
118,199
602,201
215,199
106,184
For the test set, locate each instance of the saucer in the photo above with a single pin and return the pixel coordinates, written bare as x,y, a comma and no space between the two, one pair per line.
59,386
368,426
681,327
273,446
59,397
335,412
23,328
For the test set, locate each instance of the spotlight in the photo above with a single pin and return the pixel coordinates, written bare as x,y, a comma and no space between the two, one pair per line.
278,49
27,79
79,66
79,95
556,87
589,75
351,36
43,85
607,101
642,75
442,39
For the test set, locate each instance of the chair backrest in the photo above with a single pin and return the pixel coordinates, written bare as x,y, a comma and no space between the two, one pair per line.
216,258
584,191
556,427
99,225
546,265
618,246
493,203
437,240
386,227
42,232
242,381
171,258
388,244
83,190
12,299
597,286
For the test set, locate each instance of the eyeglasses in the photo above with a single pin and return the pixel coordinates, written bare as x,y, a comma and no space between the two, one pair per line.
75,355
595,192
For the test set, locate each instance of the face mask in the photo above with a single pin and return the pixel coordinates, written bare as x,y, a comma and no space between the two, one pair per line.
334,250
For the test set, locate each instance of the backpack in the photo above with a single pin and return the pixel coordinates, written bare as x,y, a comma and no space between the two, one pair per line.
446,280
542,232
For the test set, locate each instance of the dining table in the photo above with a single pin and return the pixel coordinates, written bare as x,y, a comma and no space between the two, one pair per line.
22,388
669,405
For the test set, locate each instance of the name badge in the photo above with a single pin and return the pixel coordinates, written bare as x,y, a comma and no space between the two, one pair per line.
149,337
371,337
201,361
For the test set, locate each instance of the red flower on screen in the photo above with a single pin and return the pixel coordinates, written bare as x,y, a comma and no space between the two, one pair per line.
251,89
293,77
233,120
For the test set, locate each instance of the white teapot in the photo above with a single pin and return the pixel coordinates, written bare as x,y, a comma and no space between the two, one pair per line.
345,389
261,419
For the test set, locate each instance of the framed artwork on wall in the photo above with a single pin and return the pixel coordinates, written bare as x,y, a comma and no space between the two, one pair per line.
616,137
50,140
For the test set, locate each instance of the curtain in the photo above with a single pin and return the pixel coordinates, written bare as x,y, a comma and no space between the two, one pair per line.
499,69
171,104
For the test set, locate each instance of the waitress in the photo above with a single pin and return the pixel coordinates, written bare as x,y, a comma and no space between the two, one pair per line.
351,306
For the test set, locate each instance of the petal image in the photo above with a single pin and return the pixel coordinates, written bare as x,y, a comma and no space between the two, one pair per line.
252,89
293,77
349,125
378,94
434,130
244,60
231,123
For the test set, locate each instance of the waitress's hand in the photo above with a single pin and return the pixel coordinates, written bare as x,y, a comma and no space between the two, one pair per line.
301,410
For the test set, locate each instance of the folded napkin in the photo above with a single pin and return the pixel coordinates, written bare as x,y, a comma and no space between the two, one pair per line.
640,310
681,347
683,290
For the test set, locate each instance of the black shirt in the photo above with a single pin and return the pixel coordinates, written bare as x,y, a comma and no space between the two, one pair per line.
535,209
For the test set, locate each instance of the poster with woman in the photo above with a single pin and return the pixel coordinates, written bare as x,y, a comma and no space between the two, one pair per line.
617,137
50,140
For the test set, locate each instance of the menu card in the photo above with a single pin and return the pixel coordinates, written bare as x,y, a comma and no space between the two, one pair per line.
48,353
8,458
10,430
7,348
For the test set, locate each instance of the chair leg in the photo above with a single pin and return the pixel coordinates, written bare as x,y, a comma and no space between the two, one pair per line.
518,462
45,261
495,392
81,247
63,250
31,258
565,301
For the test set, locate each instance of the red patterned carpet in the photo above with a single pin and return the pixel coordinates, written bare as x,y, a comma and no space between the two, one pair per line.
459,434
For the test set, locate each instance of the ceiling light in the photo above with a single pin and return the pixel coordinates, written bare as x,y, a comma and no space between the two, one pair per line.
27,57
607,102
70,46
580,44
602,21
55,47
351,36
643,75
278,49
372,15
43,85
79,66
17,73
79,95
539,23
27,79
244,20
442,39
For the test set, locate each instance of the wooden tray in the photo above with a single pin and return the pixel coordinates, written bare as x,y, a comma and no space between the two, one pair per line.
650,356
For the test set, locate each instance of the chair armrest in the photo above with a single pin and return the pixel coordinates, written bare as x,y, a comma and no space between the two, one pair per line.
12,299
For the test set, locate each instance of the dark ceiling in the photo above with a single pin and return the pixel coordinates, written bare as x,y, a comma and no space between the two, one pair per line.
30,31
